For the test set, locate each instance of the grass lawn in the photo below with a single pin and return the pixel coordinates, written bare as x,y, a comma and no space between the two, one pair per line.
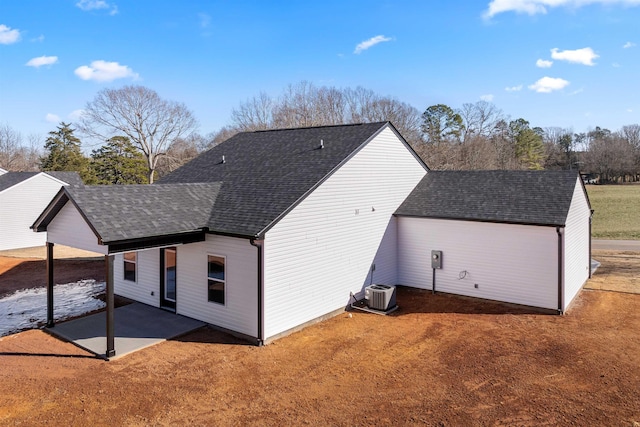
617,211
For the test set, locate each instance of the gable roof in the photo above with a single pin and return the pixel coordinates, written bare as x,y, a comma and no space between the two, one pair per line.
2,171
132,212
9,179
264,175
519,197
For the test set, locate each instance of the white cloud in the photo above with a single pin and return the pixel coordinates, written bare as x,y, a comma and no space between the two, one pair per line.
7,35
548,84
103,71
627,45
40,38
205,24
88,5
575,92
370,43
513,88
534,7
488,97
629,110
584,56
205,20
543,63
615,65
76,114
42,60
52,118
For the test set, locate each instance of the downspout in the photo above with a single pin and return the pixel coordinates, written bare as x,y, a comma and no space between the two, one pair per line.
560,270
590,221
259,245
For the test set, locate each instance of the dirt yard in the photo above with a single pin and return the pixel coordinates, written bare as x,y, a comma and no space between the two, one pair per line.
439,360
26,268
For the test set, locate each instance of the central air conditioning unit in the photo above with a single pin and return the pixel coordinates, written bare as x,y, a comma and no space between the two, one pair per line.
380,297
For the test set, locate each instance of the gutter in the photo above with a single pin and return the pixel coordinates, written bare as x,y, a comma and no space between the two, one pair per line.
260,245
560,269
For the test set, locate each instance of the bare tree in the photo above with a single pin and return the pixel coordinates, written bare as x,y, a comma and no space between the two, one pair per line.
15,155
304,104
631,133
150,122
611,157
255,114
479,119
181,151
10,144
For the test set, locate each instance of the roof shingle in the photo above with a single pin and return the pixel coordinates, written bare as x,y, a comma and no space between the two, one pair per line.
266,172
522,197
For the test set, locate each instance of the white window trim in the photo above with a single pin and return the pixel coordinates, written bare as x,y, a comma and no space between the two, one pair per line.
224,282
135,267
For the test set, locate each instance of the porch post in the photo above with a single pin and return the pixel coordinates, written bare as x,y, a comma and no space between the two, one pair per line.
111,348
50,322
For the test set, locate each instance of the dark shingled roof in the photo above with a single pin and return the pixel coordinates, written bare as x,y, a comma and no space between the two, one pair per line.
520,197
9,179
264,175
266,172
71,178
127,212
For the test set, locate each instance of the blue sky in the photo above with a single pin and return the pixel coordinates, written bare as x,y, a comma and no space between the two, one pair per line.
567,63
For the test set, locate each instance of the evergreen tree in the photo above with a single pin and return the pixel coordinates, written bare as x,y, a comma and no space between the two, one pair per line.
529,146
440,123
63,153
118,162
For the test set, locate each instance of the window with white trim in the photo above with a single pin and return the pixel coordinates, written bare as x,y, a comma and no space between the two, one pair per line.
130,264
216,278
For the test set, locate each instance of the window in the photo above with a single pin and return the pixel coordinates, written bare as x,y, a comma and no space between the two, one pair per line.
130,261
216,278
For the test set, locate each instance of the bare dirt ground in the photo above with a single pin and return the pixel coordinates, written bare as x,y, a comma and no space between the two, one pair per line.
439,360
27,268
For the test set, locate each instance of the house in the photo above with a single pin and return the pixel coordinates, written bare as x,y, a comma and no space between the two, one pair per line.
271,230
23,196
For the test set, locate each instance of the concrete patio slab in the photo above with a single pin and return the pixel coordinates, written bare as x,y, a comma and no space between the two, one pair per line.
136,325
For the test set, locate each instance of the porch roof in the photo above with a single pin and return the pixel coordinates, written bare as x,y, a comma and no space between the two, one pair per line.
138,216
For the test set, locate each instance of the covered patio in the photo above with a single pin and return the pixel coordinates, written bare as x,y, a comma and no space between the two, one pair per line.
136,326
103,231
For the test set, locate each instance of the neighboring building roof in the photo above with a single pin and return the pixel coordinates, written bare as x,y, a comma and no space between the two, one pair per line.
520,197
9,179
71,178
2,171
263,176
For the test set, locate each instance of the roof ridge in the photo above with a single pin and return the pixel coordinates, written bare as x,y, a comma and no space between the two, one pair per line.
317,127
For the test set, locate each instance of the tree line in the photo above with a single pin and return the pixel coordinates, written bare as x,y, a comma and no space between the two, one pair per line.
144,136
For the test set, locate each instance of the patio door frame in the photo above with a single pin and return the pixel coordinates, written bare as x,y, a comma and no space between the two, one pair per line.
168,303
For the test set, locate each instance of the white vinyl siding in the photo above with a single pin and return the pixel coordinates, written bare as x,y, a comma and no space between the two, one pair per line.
20,206
146,288
239,313
576,245
386,259
323,249
510,263
69,228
